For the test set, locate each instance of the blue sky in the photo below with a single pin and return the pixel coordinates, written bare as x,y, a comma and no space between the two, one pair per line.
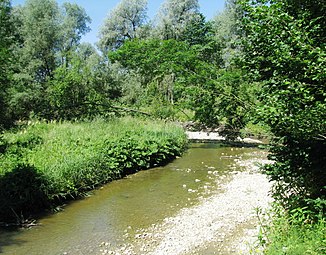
99,9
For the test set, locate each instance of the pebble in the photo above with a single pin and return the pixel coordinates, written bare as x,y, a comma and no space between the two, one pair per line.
216,217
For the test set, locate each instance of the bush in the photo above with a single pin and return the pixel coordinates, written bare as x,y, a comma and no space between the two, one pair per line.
22,191
283,48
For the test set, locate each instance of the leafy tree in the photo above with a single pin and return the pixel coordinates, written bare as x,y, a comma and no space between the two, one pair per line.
46,37
36,43
197,31
230,101
40,26
227,32
5,57
84,88
74,25
167,66
174,16
284,48
123,22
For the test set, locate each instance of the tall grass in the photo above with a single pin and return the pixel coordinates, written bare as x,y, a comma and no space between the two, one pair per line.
67,159
293,233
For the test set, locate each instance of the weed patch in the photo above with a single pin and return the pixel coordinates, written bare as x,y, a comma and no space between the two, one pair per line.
292,233
45,164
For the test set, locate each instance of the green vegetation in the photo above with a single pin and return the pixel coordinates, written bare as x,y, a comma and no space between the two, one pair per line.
46,163
293,94
258,66
293,232
284,49
288,238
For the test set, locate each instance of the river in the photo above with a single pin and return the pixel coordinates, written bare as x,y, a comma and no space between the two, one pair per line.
120,213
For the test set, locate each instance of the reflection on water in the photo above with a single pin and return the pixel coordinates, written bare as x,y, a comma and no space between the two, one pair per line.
134,202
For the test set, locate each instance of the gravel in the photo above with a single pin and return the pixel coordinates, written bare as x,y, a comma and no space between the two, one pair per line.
224,223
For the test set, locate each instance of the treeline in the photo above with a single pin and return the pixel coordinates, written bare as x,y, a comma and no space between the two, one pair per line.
175,66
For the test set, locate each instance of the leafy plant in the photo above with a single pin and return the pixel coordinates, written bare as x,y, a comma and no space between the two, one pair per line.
64,160
284,49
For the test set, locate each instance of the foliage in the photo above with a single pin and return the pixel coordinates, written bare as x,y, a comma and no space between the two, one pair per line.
5,58
73,27
123,22
22,191
227,100
74,91
174,16
64,160
46,36
39,35
156,58
197,31
292,233
176,73
257,130
284,47
166,66
227,32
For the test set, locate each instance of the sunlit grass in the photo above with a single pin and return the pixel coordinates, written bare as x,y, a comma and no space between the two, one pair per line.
287,234
76,157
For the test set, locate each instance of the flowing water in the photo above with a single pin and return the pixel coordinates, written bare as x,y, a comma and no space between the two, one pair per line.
113,214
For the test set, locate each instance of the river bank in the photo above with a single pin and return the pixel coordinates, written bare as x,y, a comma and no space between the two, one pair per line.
42,165
224,223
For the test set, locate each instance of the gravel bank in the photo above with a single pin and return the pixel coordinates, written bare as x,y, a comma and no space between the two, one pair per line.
216,137
224,223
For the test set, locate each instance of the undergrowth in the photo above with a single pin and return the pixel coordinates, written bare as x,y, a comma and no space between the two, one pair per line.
44,164
295,232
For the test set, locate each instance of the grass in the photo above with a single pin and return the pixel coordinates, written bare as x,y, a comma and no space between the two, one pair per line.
44,164
292,234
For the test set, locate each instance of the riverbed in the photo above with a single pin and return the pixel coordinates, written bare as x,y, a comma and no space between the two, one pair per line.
201,203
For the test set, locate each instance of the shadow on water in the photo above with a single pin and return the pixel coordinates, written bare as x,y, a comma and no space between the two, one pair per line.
7,237
119,209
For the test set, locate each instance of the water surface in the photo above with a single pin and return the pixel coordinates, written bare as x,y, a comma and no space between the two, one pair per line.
113,213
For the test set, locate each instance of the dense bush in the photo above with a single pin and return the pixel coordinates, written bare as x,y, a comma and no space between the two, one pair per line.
22,191
284,49
45,164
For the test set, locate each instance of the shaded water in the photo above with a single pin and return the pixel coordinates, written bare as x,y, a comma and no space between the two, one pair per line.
117,210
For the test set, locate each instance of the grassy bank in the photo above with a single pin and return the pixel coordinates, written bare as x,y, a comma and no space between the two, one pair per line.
293,233
43,164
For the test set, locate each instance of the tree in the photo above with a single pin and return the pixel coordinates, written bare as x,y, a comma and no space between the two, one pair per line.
46,37
174,16
123,22
166,65
227,32
197,31
40,27
74,25
84,88
284,48
6,33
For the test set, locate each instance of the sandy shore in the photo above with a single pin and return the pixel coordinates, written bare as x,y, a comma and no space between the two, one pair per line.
224,223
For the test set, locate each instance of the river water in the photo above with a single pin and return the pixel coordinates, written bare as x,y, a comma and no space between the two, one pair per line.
113,214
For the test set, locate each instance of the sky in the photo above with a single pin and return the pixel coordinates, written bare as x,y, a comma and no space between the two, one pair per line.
98,10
